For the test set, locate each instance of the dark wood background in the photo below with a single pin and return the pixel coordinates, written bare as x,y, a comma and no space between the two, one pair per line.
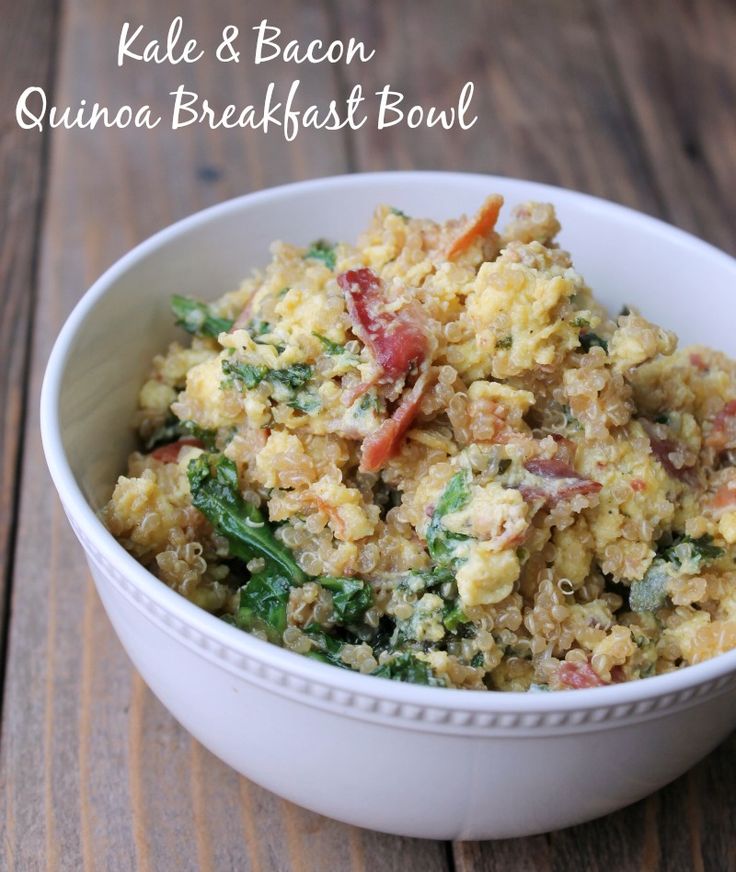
633,100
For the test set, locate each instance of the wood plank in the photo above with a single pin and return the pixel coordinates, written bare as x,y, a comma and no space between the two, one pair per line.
96,773
548,106
561,101
26,47
680,79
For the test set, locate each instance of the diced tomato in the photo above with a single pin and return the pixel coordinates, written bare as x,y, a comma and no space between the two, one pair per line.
384,443
170,453
578,675
662,448
397,339
481,225
697,361
638,485
558,481
723,433
724,497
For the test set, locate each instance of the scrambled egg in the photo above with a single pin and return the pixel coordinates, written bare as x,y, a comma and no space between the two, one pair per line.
433,456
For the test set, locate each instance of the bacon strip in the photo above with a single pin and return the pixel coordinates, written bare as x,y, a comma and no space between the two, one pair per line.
724,498
578,676
559,481
384,443
397,339
170,453
482,225
662,448
723,434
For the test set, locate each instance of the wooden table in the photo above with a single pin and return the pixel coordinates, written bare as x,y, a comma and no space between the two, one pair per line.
633,101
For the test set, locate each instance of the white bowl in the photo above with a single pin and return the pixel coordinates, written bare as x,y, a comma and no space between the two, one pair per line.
406,759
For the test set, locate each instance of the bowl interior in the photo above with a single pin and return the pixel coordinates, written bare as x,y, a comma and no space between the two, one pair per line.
675,280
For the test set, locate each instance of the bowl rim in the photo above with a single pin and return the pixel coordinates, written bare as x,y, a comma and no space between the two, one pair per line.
91,529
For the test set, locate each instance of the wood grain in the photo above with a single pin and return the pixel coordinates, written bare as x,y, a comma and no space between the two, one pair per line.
25,28
97,775
549,107
680,81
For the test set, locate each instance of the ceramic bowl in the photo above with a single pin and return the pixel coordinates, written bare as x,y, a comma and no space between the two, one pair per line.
406,759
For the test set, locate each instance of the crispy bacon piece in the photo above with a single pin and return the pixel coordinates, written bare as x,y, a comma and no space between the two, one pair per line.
724,498
559,481
383,444
662,448
723,434
578,675
482,225
170,453
397,339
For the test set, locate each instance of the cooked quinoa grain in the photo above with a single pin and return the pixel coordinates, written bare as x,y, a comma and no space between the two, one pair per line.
433,457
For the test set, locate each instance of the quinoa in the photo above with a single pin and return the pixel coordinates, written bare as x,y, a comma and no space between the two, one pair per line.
432,456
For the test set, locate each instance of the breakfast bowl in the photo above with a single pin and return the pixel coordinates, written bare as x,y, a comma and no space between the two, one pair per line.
424,761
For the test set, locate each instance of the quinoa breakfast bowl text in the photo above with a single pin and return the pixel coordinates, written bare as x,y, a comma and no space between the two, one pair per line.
434,454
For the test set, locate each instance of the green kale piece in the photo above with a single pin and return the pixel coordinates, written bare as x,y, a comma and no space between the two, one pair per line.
331,348
589,339
505,341
685,549
213,482
369,401
351,597
246,375
250,375
167,432
173,429
407,667
441,543
398,212
307,402
257,327
198,318
453,616
324,251
263,602
294,376
326,648
650,593
580,322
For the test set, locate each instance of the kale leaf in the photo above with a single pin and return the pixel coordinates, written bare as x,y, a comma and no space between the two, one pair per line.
294,376
589,339
263,602
351,597
305,401
326,648
198,318
454,616
407,667
650,593
173,429
247,375
213,482
324,251
250,375
331,348
441,543
685,549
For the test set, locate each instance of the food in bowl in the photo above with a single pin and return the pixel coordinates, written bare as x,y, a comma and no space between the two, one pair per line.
433,457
